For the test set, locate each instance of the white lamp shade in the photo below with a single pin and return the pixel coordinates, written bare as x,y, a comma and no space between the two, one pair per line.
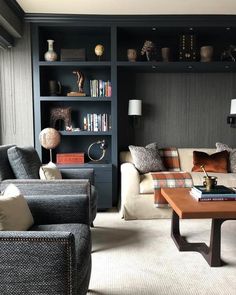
233,107
135,107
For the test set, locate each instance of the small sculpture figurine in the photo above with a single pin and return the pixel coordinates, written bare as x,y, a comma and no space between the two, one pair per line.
60,113
80,83
148,49
99,50
229,54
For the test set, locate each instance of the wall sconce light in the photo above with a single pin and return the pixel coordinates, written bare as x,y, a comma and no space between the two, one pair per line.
135,110
231,119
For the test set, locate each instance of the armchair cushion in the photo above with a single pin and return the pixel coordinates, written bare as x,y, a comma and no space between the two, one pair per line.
49,172
5,167
15,214
24,162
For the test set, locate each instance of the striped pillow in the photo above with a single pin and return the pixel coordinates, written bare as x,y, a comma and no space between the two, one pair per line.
170,158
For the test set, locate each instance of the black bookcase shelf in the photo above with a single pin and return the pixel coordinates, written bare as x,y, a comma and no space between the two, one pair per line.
75,64
76,98
76,36
117,34
84,133
178,66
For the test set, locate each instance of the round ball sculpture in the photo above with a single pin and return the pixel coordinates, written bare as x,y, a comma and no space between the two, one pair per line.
49,138
99,50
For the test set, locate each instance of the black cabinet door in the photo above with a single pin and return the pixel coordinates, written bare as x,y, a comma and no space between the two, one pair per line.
103,184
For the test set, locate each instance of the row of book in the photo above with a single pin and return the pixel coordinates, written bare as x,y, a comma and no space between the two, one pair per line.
100,88
97,122
218,193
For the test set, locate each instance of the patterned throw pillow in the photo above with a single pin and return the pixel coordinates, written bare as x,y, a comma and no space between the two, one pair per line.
232,155
147,159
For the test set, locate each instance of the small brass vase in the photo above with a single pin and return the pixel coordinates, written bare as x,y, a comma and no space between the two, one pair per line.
209,182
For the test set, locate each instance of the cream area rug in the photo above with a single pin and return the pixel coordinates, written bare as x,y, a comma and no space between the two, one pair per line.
139,258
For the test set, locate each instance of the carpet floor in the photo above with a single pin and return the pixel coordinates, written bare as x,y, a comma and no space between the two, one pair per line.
139,258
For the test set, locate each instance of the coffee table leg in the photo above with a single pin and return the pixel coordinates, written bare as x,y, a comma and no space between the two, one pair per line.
211,253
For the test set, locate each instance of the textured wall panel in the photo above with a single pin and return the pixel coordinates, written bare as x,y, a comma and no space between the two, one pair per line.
179,109
16,113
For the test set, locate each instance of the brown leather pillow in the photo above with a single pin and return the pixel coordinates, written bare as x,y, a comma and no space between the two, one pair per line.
217,162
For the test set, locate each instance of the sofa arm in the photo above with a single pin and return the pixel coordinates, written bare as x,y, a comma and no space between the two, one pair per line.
61,201
130,182
78,173
39,262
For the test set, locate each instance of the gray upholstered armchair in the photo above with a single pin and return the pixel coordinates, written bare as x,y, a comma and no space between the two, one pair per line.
54,256
21,167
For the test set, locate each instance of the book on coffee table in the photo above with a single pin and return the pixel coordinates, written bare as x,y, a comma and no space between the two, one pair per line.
218,193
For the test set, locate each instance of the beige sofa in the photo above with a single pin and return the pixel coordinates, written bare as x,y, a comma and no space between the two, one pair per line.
137,194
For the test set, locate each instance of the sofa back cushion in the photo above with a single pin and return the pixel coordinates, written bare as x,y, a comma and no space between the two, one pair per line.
186,157
5,167
24,162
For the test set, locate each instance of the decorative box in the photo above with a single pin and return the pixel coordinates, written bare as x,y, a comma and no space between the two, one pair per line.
73,54
70,158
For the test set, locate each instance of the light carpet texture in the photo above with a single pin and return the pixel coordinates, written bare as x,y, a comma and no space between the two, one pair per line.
139,258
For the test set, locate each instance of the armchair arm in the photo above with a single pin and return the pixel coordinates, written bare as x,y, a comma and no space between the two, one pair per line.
44,262
78,173
47,187
61,201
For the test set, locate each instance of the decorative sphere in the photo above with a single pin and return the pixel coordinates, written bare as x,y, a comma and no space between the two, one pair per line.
49,138
99,50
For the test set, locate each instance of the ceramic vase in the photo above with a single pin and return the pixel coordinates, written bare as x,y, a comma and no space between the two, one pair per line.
132,54
50,55
206,53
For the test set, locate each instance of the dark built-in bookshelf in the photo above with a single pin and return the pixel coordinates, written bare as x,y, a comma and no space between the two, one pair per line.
126,79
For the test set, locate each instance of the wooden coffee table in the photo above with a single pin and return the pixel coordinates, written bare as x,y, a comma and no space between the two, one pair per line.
186,207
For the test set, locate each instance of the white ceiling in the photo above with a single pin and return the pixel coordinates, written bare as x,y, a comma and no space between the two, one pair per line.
129,6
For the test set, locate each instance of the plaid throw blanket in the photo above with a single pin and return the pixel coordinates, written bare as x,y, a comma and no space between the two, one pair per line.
168,179
170,158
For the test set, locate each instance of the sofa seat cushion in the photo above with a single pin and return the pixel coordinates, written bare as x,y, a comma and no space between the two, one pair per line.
227,179
146,184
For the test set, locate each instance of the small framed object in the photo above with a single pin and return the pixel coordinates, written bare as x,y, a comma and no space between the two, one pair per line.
73,54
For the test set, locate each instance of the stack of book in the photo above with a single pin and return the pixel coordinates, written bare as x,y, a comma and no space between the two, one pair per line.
218,193
97,122
100,88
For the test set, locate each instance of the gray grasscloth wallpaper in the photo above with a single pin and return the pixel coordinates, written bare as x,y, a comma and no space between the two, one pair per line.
16,109
179,109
